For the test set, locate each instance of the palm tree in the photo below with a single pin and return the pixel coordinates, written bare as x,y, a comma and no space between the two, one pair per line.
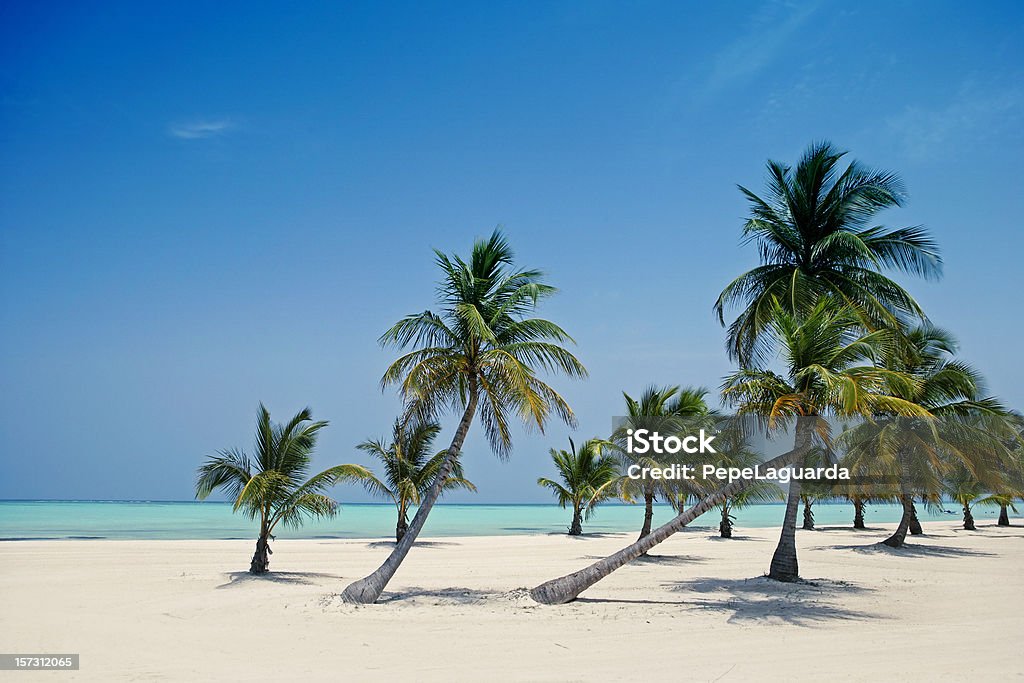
821,352
912,452
815,237
588,476
272,484
481,351
409,469
736,453
666,410
833,383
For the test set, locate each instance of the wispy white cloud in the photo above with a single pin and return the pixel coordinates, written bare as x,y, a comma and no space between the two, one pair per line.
972,115
761,43
199,129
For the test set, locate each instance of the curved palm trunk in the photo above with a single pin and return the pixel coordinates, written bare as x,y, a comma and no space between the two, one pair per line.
261,558
968,518
808,515
648,512
915,523
576,528
566,588
900,535
403,524
725,526
369,588
784,565
1004,515
858,514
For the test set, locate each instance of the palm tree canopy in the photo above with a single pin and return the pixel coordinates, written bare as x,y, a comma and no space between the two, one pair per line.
483,340
829,361
588,475
816,237
409,468
272,483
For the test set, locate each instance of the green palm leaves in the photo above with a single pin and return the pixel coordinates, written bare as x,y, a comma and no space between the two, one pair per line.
589,475
815,238
409,468
273,484
482,342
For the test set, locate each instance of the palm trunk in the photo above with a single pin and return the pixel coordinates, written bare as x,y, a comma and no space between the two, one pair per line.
369,588
968,519
261,558
900,535
784,566
1004,515
566,588
858,514
915,523
576,529
725,526
403,523
648,512
808,515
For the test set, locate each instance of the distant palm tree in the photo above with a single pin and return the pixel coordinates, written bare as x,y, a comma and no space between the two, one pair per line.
963,488
816,239
734,452
409,469
667,410
272,484
588,476
480,352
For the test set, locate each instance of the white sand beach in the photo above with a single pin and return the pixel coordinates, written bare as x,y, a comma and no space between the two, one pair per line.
698,609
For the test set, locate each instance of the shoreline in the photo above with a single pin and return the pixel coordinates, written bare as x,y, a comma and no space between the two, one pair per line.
698,607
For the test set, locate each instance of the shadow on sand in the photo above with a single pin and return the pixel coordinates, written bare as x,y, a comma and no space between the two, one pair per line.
802,603
449,596
298,578
417,544
912,550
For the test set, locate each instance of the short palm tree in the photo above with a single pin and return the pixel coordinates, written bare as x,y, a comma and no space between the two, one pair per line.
481,352
273,484
409,468
815,236
589,476
666,410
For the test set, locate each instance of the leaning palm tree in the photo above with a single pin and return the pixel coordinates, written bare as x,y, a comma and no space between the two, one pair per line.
272,485
815,237
409,469
834,383
666,410
589,476
481,352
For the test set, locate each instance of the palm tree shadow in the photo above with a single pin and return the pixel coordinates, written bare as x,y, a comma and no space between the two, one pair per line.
444,596
912,550
762,600
418,544
295,578
735,537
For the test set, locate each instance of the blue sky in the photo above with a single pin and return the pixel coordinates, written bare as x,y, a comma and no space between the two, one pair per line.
207,205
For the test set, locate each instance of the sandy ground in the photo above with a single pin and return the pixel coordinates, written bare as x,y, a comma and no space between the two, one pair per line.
949,606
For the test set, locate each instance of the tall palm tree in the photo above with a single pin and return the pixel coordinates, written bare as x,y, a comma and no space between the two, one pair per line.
409,469
481,351
815,235
828,359
272,485
666,410
589,476
833,384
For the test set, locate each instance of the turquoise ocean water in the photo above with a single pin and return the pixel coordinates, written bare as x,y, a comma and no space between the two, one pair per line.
21,520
